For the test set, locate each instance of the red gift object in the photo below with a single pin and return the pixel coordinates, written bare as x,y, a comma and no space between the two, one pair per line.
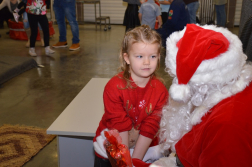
17,30
118,153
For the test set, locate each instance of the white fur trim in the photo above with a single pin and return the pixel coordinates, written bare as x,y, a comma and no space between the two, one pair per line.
221,69
98,145
165,161
180,92
227,91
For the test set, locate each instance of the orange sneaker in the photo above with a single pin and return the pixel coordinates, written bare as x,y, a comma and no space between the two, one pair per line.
60,45
75,46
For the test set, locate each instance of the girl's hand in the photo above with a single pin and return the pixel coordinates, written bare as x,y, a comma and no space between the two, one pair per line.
133,136
142,146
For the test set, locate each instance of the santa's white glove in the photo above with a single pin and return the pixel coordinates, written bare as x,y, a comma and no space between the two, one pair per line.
98,145
165,161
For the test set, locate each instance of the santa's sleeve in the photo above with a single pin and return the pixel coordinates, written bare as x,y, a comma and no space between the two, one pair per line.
226,144
150,125
115,115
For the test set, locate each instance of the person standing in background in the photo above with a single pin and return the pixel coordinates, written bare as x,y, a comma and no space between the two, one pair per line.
165,5
6,11
17,13
62,9
148,13
11,4
178,17
220,12
192,6
131,19
36,11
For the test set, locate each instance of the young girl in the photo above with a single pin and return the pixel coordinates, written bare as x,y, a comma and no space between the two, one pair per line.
133,99
36,10
17,13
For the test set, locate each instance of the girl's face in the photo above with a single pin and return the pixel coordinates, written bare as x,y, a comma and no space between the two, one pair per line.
143,60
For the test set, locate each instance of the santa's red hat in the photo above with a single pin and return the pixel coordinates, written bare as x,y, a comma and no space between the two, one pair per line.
202,55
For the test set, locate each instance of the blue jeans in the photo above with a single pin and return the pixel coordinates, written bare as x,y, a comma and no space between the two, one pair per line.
192,9
26,22
62,9
221,15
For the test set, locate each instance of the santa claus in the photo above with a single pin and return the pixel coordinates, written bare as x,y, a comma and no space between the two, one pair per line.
208,119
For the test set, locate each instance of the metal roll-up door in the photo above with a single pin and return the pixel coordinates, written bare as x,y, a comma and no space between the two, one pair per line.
238,12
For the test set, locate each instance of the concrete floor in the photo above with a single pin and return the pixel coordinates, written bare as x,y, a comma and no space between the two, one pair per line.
37,97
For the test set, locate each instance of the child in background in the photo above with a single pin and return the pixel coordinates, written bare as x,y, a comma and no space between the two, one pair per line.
36,10
148,13
17,13
133,99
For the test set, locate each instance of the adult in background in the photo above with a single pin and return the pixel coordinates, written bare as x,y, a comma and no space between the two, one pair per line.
6,13
178,17
11,4
192,6
220,12
131,19
207,120
62,9
165,6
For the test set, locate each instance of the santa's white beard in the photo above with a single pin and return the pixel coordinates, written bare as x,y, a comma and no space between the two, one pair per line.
175,122
178,118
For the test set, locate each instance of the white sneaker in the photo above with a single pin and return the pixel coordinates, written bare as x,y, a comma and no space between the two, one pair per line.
32,52
16,17
48,50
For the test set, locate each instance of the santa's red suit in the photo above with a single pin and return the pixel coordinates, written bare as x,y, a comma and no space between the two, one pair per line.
224,137
207,121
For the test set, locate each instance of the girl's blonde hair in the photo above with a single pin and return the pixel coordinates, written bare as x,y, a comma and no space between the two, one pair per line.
139,34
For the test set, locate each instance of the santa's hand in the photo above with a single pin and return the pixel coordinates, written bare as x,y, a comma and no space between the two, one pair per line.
165,161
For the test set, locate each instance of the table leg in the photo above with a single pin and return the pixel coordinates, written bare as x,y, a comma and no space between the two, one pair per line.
76,151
